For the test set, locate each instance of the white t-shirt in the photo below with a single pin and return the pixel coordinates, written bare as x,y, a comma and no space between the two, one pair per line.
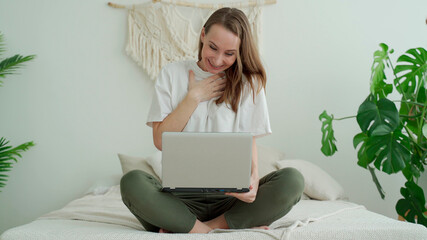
172,86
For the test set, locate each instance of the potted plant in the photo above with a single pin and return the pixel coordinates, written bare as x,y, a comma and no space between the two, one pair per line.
392,140
9,154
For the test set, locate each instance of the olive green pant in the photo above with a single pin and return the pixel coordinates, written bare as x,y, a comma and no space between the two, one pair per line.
278,192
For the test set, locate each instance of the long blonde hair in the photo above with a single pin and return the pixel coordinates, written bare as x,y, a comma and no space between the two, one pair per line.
247,61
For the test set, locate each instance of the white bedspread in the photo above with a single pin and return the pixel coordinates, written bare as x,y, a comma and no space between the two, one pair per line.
106,217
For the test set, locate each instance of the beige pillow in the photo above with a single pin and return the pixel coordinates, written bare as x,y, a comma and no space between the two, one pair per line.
305,197
318,183
155,161
130,163
267,158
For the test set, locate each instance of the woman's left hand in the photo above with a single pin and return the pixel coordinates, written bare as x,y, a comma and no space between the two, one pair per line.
250,196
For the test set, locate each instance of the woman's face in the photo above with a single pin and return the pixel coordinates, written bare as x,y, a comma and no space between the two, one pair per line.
220,47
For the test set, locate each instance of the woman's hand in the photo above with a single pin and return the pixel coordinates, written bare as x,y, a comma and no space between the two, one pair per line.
250,196
207,88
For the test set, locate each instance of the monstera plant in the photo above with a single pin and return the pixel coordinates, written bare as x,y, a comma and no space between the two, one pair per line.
392,140
9,154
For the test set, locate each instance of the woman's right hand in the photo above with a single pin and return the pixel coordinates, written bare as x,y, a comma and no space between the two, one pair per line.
207,88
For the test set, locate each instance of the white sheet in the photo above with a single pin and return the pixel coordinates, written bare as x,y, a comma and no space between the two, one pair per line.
106,217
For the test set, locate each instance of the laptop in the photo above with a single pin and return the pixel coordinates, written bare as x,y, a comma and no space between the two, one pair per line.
206,162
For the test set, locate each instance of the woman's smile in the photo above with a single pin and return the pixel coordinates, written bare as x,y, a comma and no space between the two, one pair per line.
213,66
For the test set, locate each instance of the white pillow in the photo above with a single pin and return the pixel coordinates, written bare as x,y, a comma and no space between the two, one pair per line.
129,163
318,183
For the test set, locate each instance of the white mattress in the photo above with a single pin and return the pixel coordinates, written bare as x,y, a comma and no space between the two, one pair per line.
106,217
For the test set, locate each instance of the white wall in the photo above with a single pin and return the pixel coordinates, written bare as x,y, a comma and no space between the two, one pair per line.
83,100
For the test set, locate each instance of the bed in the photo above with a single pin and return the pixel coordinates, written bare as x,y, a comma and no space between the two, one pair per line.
323,213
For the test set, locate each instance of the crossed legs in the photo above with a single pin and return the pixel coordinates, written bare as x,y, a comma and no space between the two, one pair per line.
278,192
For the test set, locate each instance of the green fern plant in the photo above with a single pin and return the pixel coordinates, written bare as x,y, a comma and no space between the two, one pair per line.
9,154
392,140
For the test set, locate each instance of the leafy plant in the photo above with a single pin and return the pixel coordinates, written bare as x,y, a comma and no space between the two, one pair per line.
392,140
8,154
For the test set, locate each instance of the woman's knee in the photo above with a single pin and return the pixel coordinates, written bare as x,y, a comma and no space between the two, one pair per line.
291,183
135,180
130,177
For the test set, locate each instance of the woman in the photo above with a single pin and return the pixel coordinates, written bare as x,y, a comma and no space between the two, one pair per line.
222,92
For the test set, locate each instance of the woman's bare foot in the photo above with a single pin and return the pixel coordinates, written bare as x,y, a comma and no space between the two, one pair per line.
164,231
220,223
262,227
200,227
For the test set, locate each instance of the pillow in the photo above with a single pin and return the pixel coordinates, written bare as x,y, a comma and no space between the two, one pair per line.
129,163
267,158
155,161
318,183
101,186
305,197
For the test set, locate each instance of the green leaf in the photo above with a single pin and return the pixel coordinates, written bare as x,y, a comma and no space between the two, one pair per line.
8,152
409,109
415,167
364,161
5,167
410,172
378,86
413,204
10,65
378,118
328,140
389,151
417,161
8,155
410,69
361,137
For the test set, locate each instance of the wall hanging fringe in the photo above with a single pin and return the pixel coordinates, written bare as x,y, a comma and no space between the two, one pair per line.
164,31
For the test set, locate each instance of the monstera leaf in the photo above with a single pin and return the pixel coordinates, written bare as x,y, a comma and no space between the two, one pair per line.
378,86
410,69
364,161
414,167
412,206
378,118
389,151
328,140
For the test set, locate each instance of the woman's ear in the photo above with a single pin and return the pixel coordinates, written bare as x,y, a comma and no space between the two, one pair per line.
202,35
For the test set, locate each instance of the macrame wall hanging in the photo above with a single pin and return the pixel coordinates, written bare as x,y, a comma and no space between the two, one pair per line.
164,31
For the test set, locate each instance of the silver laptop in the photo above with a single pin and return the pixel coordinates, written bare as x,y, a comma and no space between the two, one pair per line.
206,162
